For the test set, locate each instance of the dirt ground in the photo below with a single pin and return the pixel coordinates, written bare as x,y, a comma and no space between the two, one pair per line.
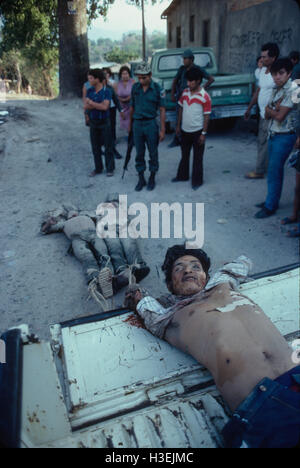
45,159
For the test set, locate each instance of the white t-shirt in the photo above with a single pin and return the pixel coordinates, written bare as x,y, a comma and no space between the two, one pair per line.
195,106
266,85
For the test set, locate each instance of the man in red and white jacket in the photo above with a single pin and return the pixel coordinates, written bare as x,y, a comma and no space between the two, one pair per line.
193,120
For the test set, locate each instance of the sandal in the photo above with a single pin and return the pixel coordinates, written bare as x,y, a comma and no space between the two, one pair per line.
295,232
288,220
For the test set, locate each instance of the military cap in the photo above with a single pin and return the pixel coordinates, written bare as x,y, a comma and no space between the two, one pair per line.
143,68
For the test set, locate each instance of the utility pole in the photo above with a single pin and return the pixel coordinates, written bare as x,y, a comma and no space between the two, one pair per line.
144,32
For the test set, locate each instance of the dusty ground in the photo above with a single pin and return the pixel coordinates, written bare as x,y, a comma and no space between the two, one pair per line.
45,158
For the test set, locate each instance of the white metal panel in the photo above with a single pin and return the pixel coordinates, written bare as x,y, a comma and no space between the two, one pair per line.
113,367
44,415
194,422
278,296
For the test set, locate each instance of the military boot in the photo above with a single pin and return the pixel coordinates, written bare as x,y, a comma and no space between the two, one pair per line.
141,184
151,183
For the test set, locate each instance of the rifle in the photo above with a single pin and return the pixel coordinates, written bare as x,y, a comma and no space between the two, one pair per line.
129,150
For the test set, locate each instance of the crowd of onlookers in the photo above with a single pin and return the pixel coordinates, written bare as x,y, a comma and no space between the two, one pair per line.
139,102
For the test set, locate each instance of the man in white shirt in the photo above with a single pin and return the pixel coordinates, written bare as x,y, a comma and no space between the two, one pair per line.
269,54
193,120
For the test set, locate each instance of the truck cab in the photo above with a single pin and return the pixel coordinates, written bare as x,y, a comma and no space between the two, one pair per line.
230,93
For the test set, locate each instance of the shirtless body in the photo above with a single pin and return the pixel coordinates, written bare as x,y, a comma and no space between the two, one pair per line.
236,341
220,327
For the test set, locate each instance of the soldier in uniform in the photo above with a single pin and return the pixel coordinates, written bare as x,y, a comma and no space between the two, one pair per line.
147,98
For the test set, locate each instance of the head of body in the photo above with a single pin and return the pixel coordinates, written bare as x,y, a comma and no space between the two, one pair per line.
281,71
269,54
194,79
124,74
97,78
294,56
188,58
186,270
144,74
61,213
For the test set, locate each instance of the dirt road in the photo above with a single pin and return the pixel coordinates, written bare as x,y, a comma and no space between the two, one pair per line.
45,158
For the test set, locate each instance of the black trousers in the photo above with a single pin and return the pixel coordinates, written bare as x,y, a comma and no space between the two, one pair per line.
113,117
189,140
100,134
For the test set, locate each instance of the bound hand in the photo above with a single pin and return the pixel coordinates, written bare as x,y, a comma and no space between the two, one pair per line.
134,295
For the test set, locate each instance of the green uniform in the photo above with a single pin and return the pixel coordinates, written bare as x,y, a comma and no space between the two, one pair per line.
145,127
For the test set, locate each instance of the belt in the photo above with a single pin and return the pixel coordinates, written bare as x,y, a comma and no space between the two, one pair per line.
283,133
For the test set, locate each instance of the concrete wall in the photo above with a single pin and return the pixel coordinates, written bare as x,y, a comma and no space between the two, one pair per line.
237,31
246,30
202,10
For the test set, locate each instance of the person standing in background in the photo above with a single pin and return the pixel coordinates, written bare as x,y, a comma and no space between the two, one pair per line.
180,83
114,106
282,115
146,100
269,54
295,59
97,103
193,121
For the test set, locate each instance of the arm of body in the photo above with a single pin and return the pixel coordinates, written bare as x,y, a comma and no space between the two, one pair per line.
162,134
179,121
101,106
252,103
209,82
205,129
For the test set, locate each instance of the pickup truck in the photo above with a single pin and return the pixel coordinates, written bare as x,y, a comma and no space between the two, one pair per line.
103,381
230,94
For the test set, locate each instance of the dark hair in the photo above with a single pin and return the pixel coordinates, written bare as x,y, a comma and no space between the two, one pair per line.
122,69
283,62
97,73
295,55
107,70
194,74
90,72
178,251
258,58
272,48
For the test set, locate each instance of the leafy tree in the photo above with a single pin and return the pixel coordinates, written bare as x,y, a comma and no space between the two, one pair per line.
28,48
39,28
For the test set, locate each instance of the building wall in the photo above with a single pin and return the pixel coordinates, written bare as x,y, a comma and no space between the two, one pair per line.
246,30
238,28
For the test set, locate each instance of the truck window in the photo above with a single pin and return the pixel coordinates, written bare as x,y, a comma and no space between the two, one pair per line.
173,62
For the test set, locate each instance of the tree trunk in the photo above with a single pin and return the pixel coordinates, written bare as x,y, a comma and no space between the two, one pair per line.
19,77
73,47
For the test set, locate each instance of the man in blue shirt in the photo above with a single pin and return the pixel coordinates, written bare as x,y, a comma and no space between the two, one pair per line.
147,98
97,103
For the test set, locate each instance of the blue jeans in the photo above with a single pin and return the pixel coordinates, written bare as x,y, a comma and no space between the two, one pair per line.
280,147
269,417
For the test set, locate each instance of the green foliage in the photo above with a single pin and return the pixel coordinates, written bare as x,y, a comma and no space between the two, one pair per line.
30,28
125,50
